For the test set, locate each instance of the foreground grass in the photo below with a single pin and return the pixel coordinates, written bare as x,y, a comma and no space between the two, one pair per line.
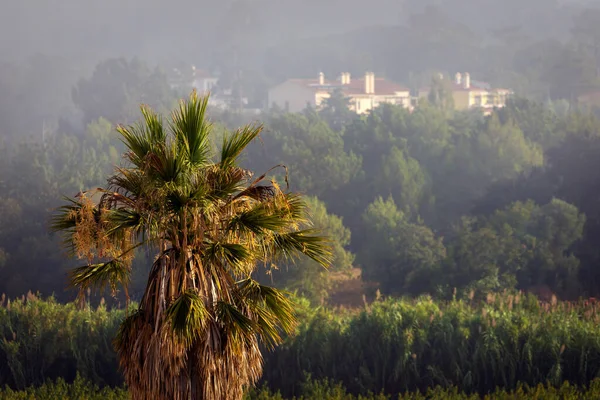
393,346
398,346
323,390
80,389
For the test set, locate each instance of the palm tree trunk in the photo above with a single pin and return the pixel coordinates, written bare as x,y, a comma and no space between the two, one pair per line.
163,278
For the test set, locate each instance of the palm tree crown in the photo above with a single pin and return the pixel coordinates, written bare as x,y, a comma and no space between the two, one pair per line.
197,330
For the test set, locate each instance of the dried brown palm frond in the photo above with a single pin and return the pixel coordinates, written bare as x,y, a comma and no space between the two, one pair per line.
202,318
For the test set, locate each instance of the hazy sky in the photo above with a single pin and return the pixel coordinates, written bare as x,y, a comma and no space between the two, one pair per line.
159,30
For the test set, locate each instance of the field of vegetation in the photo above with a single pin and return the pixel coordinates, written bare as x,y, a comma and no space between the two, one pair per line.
505,341
323,390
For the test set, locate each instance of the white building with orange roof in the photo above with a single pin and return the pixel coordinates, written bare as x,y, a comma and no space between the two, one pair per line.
364,94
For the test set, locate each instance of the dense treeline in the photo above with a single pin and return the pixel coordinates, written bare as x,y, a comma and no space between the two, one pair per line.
425,195
421,202
413,345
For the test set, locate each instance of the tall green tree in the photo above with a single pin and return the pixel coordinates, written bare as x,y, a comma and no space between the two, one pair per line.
440,94
522,245
312,151
336,110
402,177
197,330
402,256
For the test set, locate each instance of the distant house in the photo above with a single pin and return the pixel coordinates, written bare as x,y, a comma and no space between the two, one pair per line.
472,94
590,99
199,79
364,93
203,81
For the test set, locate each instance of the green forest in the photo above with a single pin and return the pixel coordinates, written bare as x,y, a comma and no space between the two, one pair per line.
431,202
398,254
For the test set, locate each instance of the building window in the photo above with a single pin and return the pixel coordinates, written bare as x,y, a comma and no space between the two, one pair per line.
357,105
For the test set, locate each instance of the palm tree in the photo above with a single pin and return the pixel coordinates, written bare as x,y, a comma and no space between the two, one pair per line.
199,324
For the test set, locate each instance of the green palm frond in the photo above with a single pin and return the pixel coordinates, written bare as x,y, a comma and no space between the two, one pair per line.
234,144
137,142
165,163
191,129
122,219
235,255
178,196
101,275
188,316
153,125
64,218
233,320
257,220
278,303
128,181
267,325
280,308
225,183
294,209
288,245
198,192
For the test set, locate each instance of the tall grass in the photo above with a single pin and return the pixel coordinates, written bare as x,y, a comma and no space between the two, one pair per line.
311,390
42,339
409,345
80,389
393,345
